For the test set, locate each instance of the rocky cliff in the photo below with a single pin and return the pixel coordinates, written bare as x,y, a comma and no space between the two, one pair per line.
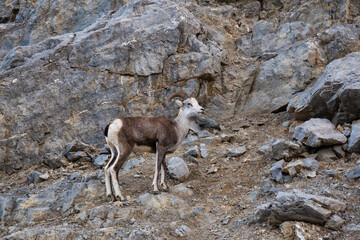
67,68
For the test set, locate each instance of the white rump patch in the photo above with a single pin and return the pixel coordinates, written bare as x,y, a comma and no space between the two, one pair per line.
114,129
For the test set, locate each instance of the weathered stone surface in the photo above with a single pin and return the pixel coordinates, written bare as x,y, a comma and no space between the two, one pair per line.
182,190
300,230
282,76
116,57
133,162
193,151
262,213
326,154
293,168
182,231
101,160
298,206
310,164
353,173
318,132
335,223
33,177
354,139
335,95
276,171
203,150
281,149
236,152
161,201
265,37
339,41
178,168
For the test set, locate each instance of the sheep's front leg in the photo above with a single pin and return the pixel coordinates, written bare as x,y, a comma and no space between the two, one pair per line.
162,180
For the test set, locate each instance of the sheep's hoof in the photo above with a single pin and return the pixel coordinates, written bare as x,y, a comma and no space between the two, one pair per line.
120,198
111,197
165,188
155,192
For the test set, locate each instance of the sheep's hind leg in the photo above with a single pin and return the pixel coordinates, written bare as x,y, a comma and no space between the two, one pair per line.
114,171
156,174
107,172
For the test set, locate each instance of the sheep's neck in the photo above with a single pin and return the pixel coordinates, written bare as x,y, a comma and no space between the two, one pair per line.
183,124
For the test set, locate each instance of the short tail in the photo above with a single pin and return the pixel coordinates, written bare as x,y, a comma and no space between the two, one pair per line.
106,130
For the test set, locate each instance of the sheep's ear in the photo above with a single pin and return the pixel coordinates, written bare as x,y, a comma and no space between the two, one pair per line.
179,103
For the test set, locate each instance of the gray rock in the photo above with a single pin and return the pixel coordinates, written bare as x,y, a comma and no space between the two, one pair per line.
203,150
6,206
353,173
281,149
190,139
266,38
236,152
276,171
293,168
193,151
77,156
262,213
182,190
178,168
100,160
44,177
298,206
230,138
33,177
330,173
335,94
144,232
204,134
339,151
182,231
76,146
335,223
338,41
326,154
318,132
351,228
133,162
70,196
354,139
207,123
310,164
161,201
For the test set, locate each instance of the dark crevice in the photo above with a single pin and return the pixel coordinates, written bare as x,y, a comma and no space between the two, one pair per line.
280,109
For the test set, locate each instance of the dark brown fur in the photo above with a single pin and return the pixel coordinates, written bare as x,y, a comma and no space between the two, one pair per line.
146,131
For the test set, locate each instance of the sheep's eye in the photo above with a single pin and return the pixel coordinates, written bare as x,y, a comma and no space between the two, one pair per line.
189,104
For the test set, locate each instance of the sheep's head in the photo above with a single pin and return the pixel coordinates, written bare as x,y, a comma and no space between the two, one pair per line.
189,107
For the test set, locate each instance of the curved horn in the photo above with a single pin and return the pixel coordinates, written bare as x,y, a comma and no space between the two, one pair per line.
180,94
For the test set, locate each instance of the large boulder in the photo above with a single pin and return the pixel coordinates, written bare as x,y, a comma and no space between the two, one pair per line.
336,95
354,139
299,206
318,132
131,61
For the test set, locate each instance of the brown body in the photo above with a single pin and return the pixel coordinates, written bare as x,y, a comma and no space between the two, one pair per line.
142,132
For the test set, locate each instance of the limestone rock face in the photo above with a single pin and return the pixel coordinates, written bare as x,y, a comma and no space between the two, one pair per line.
74,83
335,94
